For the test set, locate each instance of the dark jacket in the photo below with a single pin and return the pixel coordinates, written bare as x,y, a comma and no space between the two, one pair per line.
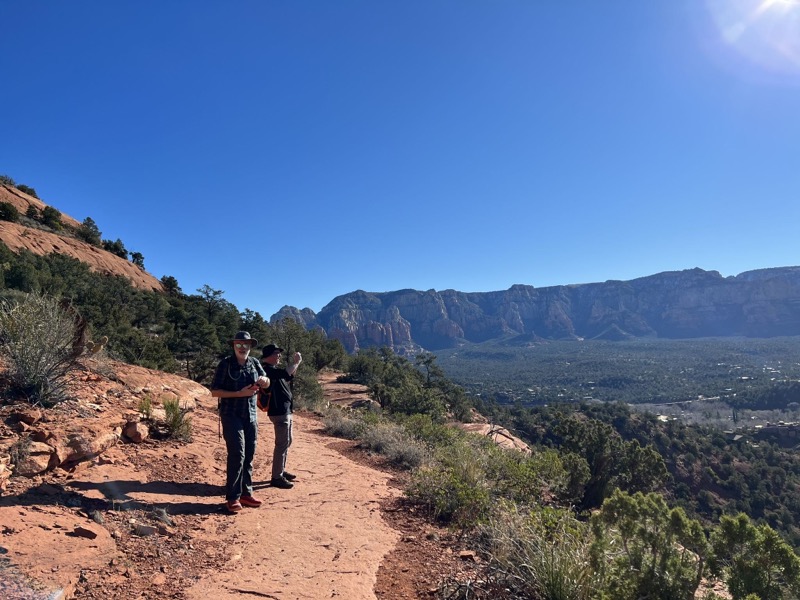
280,386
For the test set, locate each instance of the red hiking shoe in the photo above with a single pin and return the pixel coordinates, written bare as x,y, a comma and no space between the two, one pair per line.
250,501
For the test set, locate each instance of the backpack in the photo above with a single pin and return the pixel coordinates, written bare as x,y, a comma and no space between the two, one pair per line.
264,397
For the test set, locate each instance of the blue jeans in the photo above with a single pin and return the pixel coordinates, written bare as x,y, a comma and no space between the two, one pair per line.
240,435
283,439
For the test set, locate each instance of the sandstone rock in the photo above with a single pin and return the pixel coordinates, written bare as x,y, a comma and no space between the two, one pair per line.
136,432
86,445
27,415
84,533
35,458
5,471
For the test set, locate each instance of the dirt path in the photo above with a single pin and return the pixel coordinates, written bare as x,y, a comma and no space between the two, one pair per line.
147,520
324,538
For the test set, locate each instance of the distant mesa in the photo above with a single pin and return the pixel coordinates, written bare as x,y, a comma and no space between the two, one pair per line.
675,304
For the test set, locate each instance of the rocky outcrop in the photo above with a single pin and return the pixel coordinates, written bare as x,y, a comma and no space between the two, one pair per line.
305,316
19,237
676,304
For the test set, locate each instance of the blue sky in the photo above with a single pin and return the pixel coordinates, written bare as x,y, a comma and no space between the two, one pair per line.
290,152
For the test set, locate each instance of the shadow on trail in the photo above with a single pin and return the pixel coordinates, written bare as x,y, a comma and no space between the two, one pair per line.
117,495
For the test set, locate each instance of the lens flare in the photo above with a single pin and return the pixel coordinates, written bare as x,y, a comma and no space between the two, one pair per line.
764,32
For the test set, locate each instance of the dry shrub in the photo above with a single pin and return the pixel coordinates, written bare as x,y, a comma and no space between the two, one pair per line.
37,338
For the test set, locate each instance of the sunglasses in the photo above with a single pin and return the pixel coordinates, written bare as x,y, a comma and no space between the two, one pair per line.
239,345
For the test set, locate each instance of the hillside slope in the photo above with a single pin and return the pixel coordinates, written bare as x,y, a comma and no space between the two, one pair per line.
18,237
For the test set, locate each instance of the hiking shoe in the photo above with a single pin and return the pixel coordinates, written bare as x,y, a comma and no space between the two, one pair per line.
250,501
281,482
289,476
233,506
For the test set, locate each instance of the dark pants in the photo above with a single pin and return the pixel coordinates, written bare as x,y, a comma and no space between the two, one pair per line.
283,439
240,435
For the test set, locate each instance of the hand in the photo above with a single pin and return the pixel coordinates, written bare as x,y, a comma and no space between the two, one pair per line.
297,358
249,390
263,382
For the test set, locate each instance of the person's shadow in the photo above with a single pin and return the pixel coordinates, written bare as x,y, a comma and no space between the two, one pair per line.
117,496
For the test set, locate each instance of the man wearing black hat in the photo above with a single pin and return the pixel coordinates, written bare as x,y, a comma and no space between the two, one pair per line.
236,381
280,411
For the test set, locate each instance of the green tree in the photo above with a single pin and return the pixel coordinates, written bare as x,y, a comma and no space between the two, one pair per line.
116,247
753,559
212,299
643,549
89,232
171,286
137,258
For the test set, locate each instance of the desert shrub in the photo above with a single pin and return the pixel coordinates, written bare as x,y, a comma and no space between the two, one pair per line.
424,428
454,488
89,232
146,407
454,496
116,247
36,339
33,213
177,421
51,217
543,553
341,425
393,442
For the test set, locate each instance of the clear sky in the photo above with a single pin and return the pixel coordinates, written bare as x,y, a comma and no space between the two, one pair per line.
289,152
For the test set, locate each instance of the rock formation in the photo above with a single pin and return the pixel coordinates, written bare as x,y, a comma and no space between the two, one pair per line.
676,304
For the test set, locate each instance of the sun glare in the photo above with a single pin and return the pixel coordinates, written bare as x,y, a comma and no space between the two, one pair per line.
765,32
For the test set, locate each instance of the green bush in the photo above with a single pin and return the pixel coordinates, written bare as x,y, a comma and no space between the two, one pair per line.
455,488
89,232
146,407
424,428
178,423
451,495
27,189
9,212
37,338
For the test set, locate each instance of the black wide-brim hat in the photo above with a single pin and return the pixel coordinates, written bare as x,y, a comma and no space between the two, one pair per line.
244,336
